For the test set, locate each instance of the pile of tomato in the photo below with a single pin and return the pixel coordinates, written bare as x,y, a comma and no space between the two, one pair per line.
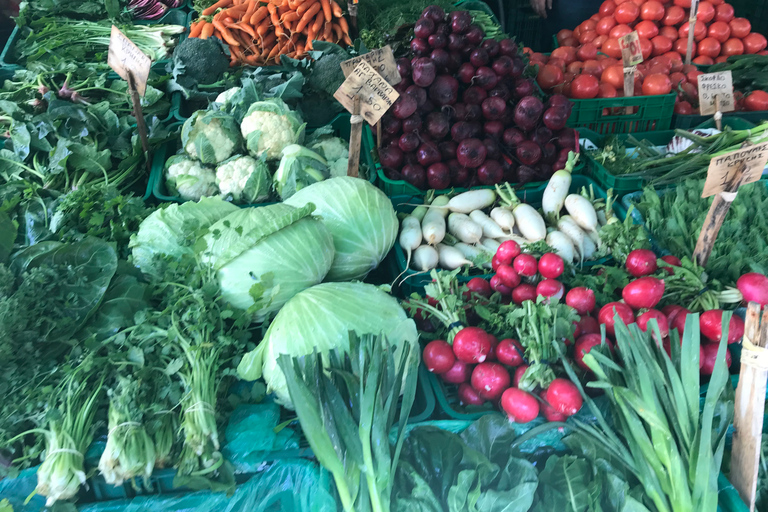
587,64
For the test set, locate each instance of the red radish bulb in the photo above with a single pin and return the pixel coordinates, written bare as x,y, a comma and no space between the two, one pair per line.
490,380
581,299
469,396
498,286
607,313
709,356
520,406
735,329
551,265
584,344
508,251
524,292
643,293
438,356
661,320
671,312
496,262
641,262
518,376
550,288
678,322
549,412
672,260
589,325
480,286
472,345
459,372
525,265
508,276
754,288
710,325
564,397
510,352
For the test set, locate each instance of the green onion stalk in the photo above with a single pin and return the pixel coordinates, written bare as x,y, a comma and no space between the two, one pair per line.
164,427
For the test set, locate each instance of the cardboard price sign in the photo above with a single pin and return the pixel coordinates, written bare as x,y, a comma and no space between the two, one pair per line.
128,61
722,168
376,95
718,85
382,60
631,51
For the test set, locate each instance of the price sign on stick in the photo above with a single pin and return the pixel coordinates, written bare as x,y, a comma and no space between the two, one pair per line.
376,95
126,59
382,60
714,89
631,51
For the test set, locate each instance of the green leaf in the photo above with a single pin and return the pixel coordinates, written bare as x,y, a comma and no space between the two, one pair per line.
7,236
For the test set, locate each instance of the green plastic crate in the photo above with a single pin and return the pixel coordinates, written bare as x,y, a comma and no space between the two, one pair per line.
750,118
527,28
608,115
157,184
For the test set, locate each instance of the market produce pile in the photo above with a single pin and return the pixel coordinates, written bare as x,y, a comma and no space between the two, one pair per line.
229,320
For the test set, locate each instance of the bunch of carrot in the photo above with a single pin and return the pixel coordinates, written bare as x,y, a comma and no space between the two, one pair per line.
259,32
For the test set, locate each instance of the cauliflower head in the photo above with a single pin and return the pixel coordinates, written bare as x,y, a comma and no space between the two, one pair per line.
299,167
335,150
189,179
244,179
270,126
210,136
225,96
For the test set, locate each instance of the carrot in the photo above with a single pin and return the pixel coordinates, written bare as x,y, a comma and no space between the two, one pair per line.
318,24
300,49
294,4
273,52
290,17
245,28
236,12
300,10
225,33
338,31
275,19
263,28
259,15
326,10
237,2
252,6
308,16
344,25
336,9
235,55
196,28
347,40
267,42
327,30
218,5
207,31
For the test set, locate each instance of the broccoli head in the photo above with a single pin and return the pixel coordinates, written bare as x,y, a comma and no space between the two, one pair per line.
199,61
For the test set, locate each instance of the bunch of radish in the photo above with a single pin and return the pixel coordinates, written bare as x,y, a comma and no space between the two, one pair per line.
488,370
466,115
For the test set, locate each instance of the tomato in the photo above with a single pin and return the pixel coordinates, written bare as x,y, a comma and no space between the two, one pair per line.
585,87
703,60
575,67
607,8
754,43
620,31
706,12
732,46
592,67
646,48
723,12
571,41
612,48
740,27
677,78
626,12
756,101
595,17
673,16
587,52
565,53
639,2
677,61
563,35
605,25
661,45
587,36
683,3
647,29
558,63
710,47
613,75
683,108
607,91
549,76
721,58
668,32
662,62
699,31
587,25
693,76
656,84
652,10
599,40
681,46
720,31
690,90
716,2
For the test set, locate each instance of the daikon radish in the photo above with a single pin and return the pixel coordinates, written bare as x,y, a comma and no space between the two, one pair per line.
582,211
490,228
451,258
527,219
557,189
433,224
475,252
425,257
572,230
562,245
464,228
410,236
504,218
467,202
490,244
589,249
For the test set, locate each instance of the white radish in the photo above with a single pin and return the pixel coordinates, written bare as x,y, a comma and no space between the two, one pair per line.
555,194
464,228
529,222
582,211
474,252
473,200
451,258
589,249
419,212
425,257
433,224
504,218
572,230
410,236
562,245
490,244
515,238
490,228
601,218
595,237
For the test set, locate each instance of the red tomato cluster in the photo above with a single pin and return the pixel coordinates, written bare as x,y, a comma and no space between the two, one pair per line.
687,102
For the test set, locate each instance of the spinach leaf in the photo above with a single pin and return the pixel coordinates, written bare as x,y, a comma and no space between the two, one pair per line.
125,297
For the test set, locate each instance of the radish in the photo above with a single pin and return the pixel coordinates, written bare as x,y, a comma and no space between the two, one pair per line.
589,325
494,344
654,314
564,397
510,352
583,213
495,262
550,288
520,406
643,293
608,312
473,252
471,345
508,276
735,329
581,299
709,357
438,356
504,218
572,230
459,372
451,258
754,288
519,374
419,212
488,225
523,292
467,202
562,245
490,380
584,344
425,258
641,262
525,265
547,410
508,251
529,222
672,260
410,237
554,195
463,228
490,244
433,225
710,324
469,396
589,248
551,265
479,286
678,322
671,312
498,286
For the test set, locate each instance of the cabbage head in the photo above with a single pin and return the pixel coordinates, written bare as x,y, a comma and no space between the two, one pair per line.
211,136
264,256
173,230
269,126
320,318
360,218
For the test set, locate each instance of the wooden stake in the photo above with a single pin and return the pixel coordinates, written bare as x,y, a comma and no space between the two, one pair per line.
140,125
750,406
716,216
378,135
718,114
352,11
691,28
355,134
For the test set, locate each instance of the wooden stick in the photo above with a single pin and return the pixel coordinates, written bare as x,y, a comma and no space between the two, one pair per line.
352,12
718,114
750,408
355,134
691,28
378,134
716,216
142,127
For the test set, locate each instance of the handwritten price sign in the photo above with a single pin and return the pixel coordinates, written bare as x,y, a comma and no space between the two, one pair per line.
631,51
126,59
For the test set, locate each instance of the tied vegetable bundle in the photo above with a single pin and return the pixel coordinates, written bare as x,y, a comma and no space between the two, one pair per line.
260,35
